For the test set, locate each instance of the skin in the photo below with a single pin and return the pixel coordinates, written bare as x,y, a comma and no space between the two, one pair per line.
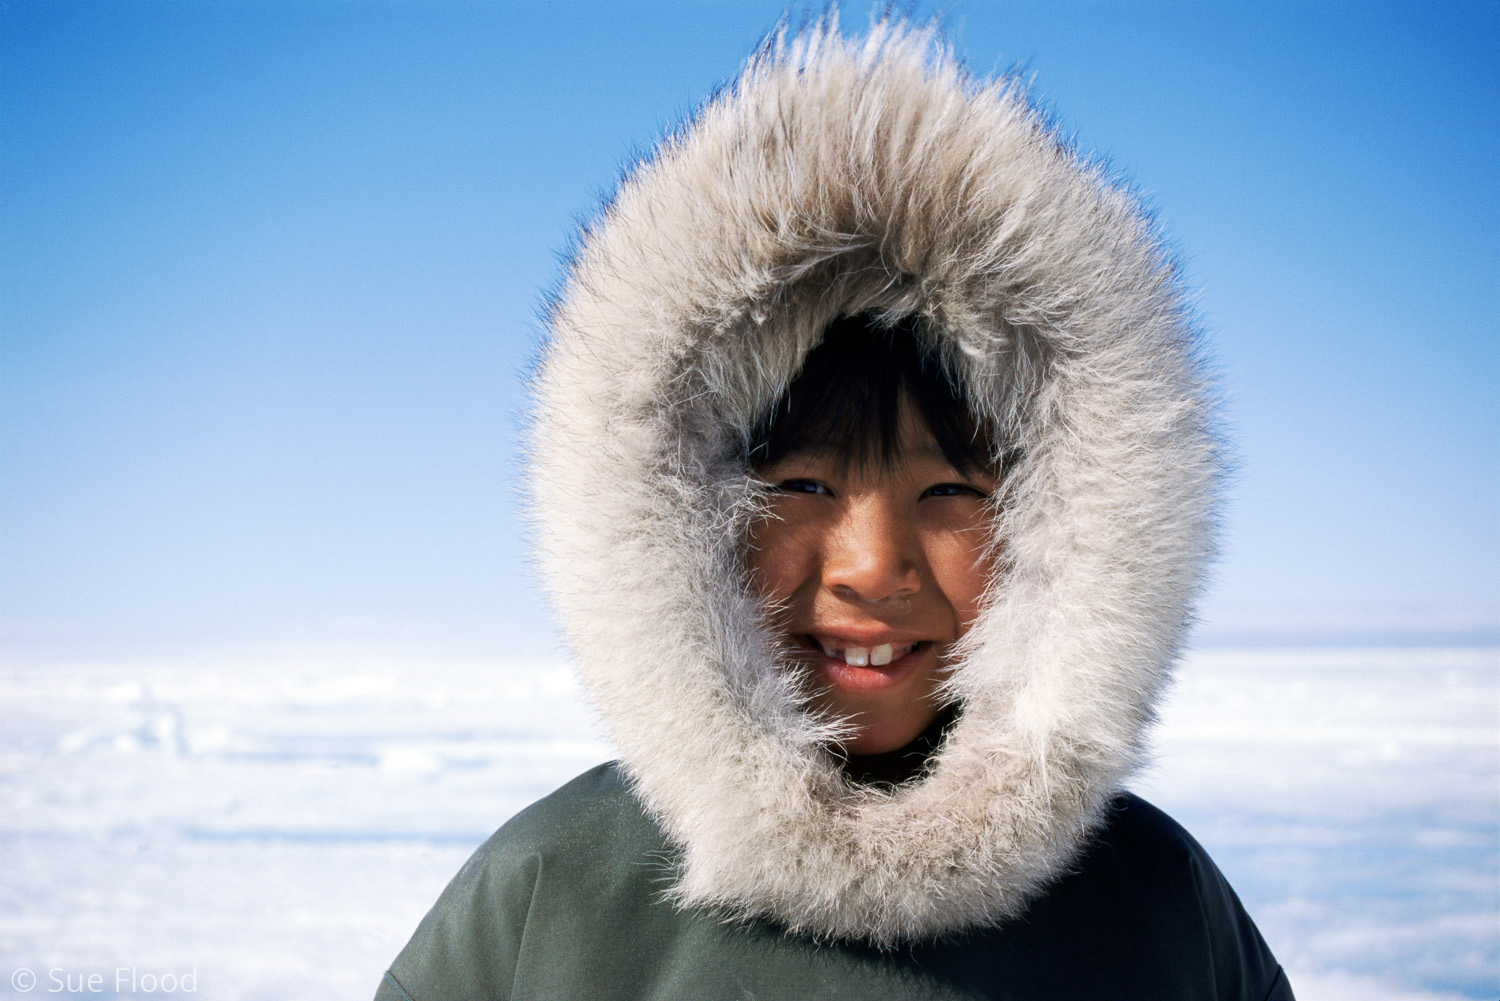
868,556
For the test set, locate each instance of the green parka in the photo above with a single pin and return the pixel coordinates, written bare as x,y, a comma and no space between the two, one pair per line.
565,901
728,854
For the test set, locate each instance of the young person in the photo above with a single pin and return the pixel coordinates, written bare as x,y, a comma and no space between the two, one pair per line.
875,477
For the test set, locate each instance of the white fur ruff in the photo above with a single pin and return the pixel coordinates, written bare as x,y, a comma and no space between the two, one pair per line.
838,177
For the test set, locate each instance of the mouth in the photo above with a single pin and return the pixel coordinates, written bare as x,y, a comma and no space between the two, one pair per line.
879,655
865,671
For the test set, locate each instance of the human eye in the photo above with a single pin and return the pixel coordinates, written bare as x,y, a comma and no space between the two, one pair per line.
955,490
798,486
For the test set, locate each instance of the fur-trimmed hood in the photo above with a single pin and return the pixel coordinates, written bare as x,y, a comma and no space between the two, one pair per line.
839,177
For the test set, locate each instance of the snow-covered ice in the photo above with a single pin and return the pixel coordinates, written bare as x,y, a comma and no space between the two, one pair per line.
278,829
1353,799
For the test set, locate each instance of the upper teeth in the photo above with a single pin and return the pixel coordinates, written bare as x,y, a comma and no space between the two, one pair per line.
863,656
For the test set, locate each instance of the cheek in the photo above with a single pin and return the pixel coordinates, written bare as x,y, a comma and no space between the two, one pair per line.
778,559
963,568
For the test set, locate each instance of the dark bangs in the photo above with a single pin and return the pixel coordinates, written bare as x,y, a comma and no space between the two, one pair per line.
846,401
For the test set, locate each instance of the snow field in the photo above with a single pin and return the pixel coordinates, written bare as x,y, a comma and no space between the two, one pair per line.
280,828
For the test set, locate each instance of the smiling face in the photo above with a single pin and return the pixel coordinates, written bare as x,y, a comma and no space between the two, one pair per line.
875,570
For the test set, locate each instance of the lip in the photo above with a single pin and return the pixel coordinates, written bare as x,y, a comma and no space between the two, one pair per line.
867,679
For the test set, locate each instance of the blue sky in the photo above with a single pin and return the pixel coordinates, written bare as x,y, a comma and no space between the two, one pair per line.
270,276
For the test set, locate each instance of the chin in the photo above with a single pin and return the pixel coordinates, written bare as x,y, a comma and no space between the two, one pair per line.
886,736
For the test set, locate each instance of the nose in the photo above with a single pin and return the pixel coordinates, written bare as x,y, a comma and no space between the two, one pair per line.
874,553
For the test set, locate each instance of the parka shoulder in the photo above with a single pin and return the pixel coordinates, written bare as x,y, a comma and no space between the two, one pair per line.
566,847
566,901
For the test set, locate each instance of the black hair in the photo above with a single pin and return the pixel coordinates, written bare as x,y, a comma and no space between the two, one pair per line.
847,401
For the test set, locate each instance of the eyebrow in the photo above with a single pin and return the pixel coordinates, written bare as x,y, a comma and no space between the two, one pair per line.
930,450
